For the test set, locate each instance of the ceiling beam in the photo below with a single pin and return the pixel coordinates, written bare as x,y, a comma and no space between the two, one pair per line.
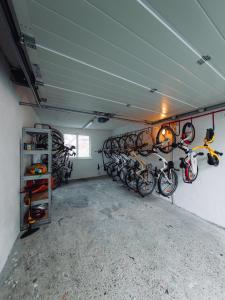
93,113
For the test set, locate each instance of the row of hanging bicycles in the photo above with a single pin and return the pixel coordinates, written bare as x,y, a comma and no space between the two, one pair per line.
127,158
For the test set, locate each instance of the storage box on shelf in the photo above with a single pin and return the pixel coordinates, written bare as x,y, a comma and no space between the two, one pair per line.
31,152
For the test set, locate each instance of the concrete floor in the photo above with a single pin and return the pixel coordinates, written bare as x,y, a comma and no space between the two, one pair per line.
107,243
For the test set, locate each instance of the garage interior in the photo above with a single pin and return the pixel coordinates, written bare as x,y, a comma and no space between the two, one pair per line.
112,180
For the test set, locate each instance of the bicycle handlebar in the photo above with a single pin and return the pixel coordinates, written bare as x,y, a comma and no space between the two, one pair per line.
219,153
199,154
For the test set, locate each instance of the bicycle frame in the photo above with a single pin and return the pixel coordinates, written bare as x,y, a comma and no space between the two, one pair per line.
164,167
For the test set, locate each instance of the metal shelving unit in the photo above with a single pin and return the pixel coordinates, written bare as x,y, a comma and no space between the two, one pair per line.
27,158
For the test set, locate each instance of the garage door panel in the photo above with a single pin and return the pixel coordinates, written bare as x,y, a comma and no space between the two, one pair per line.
78,35
108,29
152,31
57,43
80,86
76,101
200,32
77,70
215,10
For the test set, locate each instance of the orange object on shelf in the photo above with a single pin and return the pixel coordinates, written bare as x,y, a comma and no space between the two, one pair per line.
37,169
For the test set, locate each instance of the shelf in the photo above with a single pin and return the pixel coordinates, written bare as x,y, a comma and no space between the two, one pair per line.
34,131
36,177
39,198
43,198
33,152
45,219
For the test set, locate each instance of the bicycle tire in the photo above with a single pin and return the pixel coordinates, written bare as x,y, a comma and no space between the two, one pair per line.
150,181
191,128
109,169
131,180
122,174
115,175
186,175
175,183
115,144
130,141
170,135
144,137
122,143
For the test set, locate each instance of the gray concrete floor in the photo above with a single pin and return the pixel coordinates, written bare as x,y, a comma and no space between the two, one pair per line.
107,243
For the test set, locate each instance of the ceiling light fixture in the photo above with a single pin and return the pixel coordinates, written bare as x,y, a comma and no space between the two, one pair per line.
89,123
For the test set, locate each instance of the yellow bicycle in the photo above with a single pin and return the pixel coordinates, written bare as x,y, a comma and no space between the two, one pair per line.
213,155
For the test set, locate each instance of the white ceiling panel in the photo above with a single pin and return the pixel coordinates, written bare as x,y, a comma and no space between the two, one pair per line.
67,119
91,18
102,55
73,32
62,66
215,12
154,33
63,46
200,32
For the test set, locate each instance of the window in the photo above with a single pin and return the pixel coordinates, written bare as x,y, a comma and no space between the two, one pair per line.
70,140
83,146
81,142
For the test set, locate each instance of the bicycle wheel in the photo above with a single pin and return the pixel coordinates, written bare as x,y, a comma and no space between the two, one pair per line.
130,141
167,186
107,148
115,174
146,183
109,169
144,137
131,180
188,175
121,142
115,144
188,133
166,138
122,174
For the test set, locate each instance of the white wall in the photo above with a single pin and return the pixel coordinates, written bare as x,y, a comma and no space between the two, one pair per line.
206,196
85,168
127,128
12,118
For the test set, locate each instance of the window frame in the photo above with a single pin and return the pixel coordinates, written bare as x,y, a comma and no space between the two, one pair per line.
77,146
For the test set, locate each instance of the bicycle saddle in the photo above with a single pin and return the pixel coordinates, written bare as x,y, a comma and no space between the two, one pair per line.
209,135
